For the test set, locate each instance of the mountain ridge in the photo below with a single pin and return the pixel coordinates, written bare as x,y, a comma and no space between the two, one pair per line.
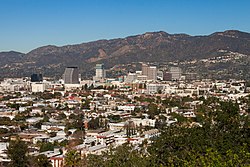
150,46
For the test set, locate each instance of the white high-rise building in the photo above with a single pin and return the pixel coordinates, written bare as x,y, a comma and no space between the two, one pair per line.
99,71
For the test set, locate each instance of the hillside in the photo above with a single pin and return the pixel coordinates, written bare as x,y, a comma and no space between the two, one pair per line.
151,47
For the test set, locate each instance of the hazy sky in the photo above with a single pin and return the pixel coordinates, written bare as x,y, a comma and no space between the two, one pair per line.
28,24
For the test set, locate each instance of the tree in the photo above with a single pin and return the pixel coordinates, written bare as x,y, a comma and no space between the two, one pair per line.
17,153
5,121
61,116
153,110
122,156
115,118
219,142
214,158
85,87
179,117
91,87
86,104
41,161
95,160
94,123
46,147
222,140
72,158
3,130
76,122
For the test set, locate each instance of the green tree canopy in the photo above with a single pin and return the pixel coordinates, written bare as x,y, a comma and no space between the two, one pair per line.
18,153
72,158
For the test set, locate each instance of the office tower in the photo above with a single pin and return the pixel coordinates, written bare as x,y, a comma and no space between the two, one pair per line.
36,78
149,71
152,73
99,71
144,69
71,75
176,73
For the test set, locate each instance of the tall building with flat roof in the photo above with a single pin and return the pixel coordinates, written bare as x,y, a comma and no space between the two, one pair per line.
36,78
144,68
99,71
152,73
71,75
149,71
176,73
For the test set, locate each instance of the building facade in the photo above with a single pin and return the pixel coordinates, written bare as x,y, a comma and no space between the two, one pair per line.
149,71
36,78
176,73
99,71
71,75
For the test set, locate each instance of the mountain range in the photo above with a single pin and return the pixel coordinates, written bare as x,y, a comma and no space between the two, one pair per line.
148,47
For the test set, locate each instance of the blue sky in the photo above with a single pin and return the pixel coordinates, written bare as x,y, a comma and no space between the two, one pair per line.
28,24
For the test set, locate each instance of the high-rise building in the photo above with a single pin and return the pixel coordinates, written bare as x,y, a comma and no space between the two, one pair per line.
71,75
152,73
36,78
99,71
144,68
176,73
149,71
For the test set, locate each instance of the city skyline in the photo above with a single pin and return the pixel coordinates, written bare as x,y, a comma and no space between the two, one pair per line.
29,24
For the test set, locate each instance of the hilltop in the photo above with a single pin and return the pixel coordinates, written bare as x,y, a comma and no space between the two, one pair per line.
148,47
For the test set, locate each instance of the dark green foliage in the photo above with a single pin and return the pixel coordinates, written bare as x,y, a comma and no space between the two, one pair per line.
21,116
46,147
3,130
40,161
57,94
172,102
38,125
61,116
45,118
47,95
223,140
14,105
213,158
17,153
114,118
76,122
179,117
86,104
224,137
94,123
153,110
72,158
122,156
5,121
